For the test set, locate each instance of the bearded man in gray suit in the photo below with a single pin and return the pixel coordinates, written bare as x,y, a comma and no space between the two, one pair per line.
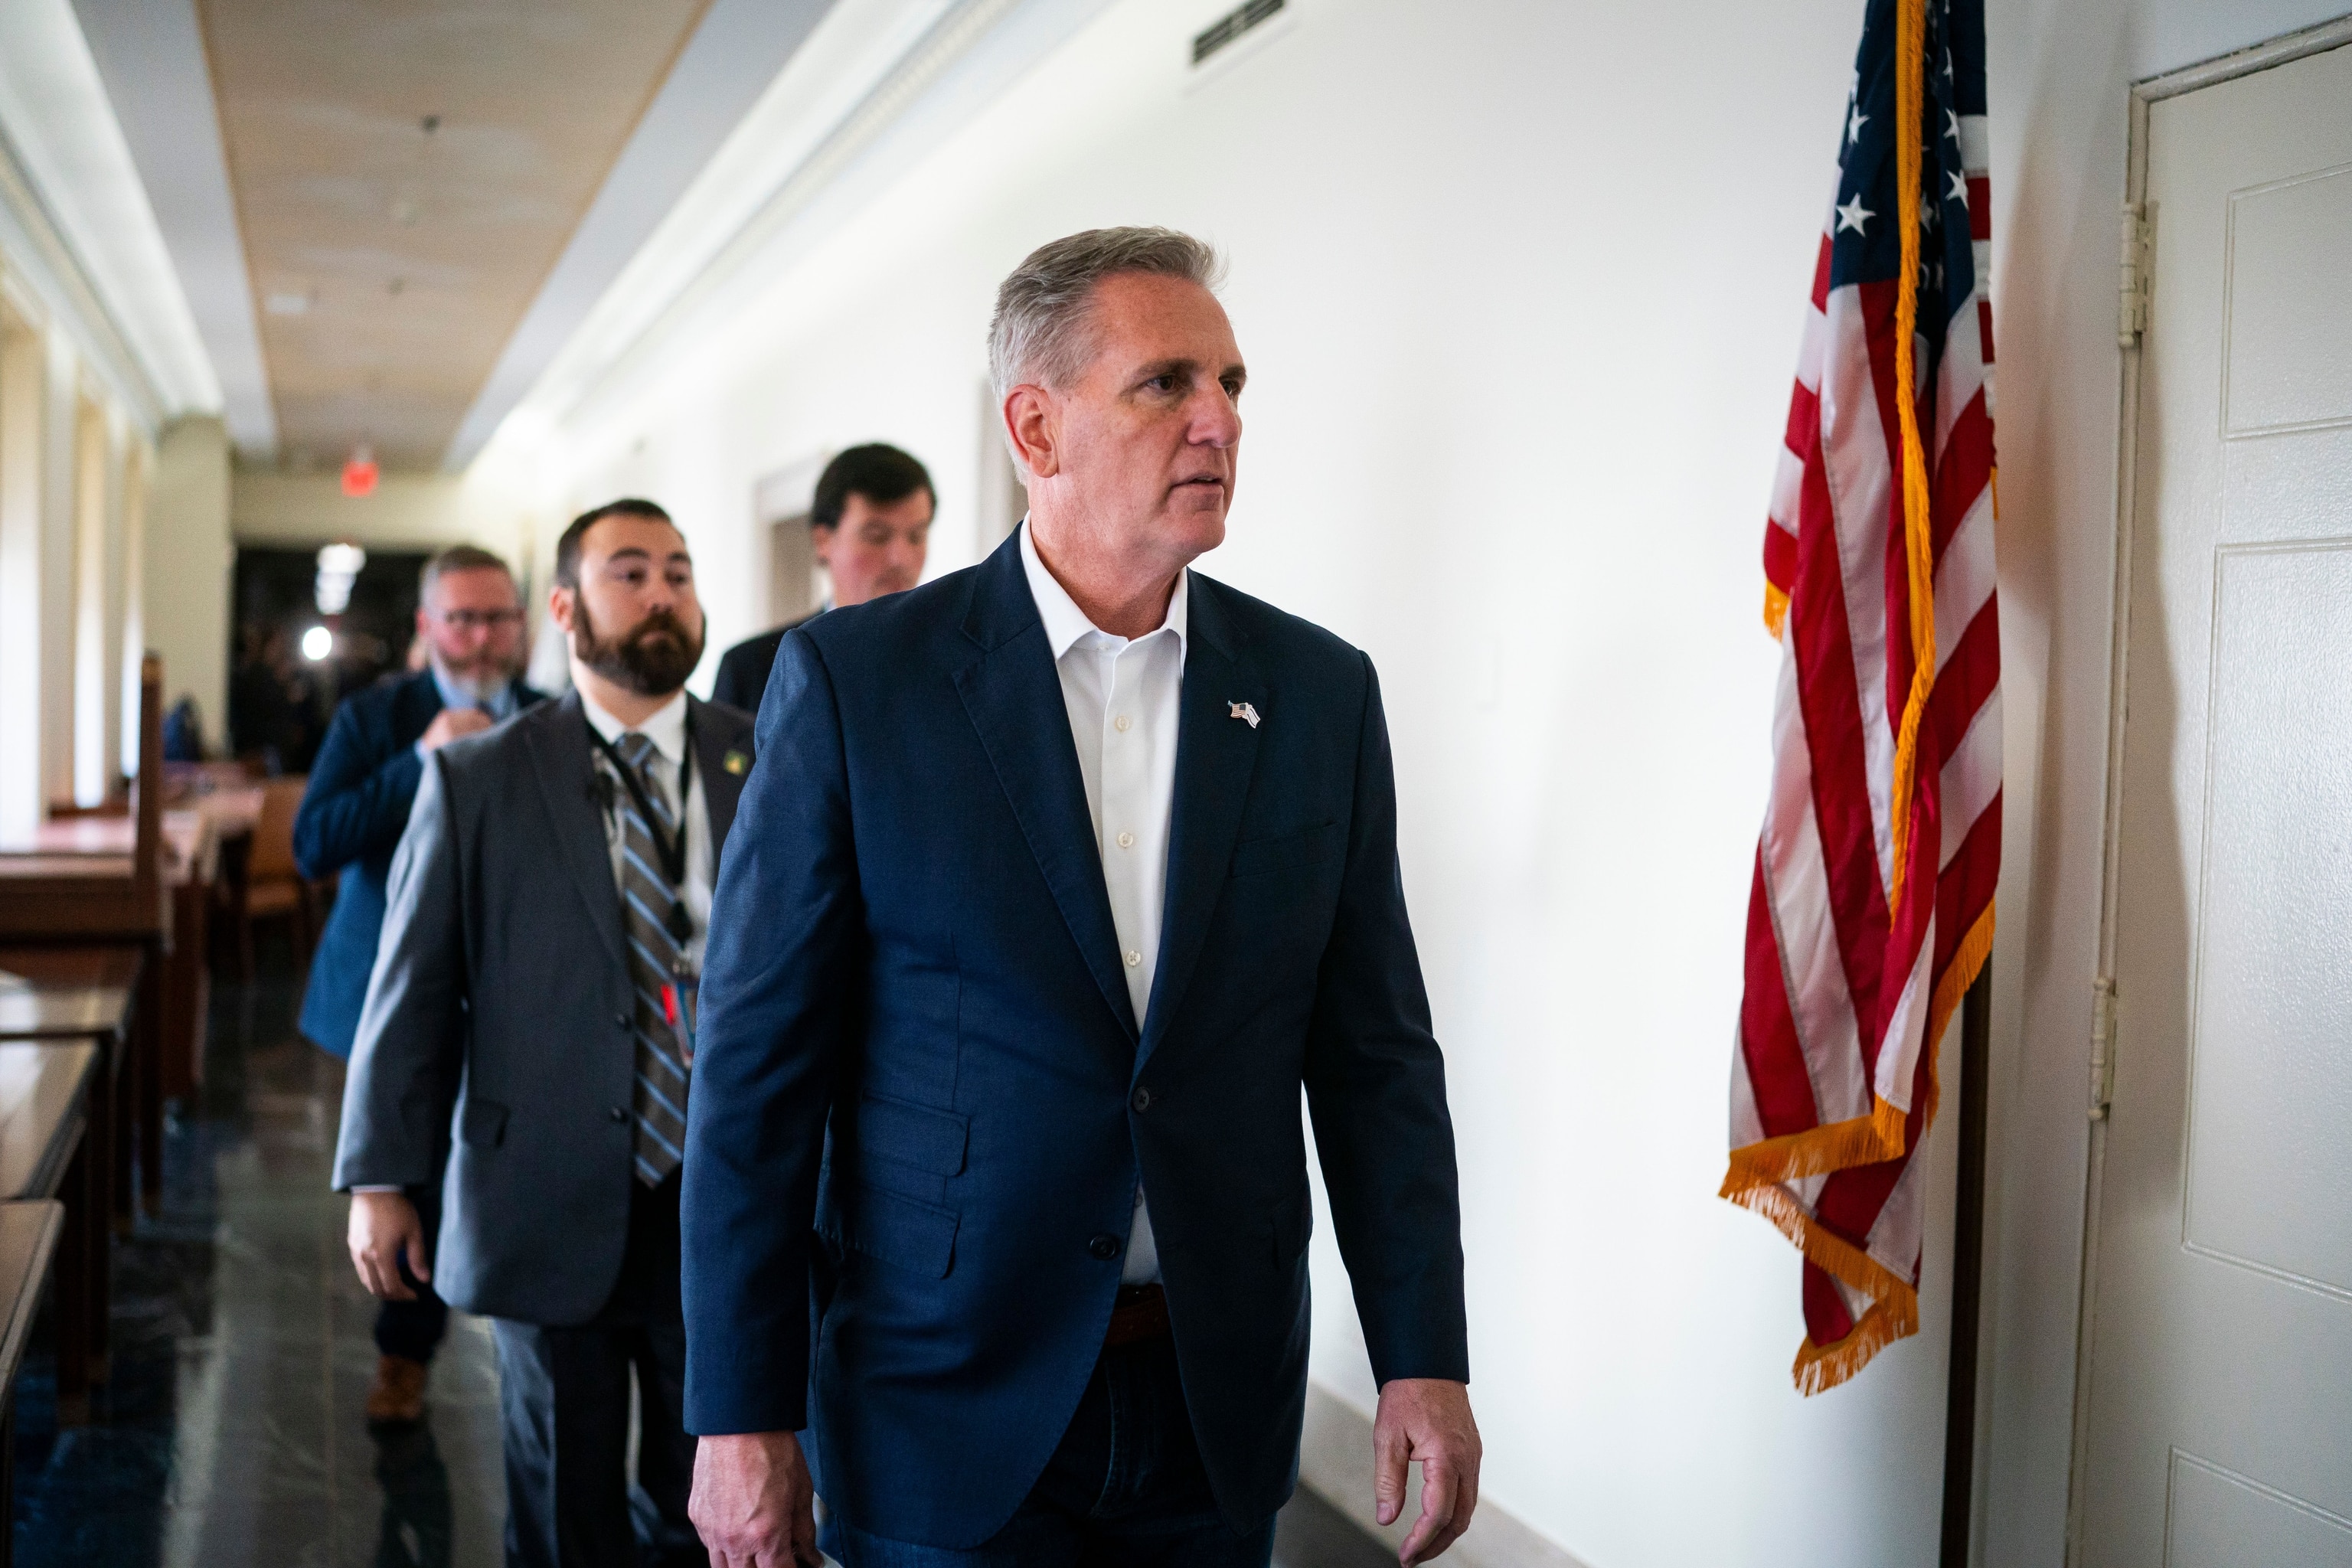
527,1040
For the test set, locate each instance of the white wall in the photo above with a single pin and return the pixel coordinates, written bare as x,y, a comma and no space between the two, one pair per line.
406,512
1521,287
188,559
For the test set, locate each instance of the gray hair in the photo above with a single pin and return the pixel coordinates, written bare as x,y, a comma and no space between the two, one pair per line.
456,558
1039,331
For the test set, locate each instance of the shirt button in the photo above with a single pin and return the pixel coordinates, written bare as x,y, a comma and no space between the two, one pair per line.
1143,1100
617,1114
621,1019
1104,1247
1127,841
1133,958
1121,723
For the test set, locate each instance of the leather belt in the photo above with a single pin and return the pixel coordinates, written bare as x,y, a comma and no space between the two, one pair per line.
1140,1313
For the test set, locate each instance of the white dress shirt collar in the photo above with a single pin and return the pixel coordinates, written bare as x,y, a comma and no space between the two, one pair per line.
665,727
1066,623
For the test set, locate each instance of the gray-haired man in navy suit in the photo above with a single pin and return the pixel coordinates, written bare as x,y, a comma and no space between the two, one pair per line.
1058,880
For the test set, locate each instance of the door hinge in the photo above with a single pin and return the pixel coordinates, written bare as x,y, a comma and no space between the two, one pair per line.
2103,1045
2134,276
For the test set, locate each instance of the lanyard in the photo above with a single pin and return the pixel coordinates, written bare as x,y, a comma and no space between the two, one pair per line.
671,850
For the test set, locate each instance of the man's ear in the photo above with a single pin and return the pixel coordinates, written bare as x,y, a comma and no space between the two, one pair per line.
1029,420
561,602
821,540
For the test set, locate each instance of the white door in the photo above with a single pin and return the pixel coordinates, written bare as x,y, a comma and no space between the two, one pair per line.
2219,1411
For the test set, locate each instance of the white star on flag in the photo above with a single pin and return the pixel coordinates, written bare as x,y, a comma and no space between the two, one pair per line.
1960,190
1853,214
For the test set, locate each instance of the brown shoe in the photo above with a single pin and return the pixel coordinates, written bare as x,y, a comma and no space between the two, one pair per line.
398,1397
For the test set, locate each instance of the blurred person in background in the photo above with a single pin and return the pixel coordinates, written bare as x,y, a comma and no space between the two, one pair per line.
870,524
469,625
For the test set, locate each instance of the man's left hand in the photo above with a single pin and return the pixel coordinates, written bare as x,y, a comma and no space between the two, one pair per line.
1427,1421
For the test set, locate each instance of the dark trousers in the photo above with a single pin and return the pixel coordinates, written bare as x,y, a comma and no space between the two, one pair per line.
1124,1489
413,1330
563,1402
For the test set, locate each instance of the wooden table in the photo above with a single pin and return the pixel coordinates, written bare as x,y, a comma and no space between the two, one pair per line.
86,994
29,1236
44,1109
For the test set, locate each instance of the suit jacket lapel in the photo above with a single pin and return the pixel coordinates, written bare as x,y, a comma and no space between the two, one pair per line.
1015,698
558,735
722,788
1215,754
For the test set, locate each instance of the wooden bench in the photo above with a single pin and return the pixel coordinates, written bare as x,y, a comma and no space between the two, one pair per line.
30,1235
44,1110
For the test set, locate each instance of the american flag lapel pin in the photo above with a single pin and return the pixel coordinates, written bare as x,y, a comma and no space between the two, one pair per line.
1244,711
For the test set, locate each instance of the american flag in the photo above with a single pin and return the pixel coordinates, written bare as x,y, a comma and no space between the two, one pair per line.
1872,907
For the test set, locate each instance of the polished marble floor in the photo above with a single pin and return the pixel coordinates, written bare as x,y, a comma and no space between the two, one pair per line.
230,1431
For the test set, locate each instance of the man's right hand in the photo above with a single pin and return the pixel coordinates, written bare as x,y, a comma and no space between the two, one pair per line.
451,724
384,1225
753,1502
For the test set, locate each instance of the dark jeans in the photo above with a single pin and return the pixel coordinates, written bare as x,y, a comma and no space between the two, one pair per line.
413,1330
563,1402
1124,1490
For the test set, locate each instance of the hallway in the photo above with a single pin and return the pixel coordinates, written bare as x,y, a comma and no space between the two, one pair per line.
231,1431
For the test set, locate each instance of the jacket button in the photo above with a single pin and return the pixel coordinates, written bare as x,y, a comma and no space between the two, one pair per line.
617,1114
1143,1100
621,1019
1105,1247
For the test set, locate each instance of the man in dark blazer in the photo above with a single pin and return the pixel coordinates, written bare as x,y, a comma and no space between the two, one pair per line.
469,620
1056,881
870,525
529,1038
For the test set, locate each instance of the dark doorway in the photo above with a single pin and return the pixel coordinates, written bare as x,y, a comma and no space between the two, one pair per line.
290,663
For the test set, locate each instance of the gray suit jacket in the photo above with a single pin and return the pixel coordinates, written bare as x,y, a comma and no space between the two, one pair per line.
495,1052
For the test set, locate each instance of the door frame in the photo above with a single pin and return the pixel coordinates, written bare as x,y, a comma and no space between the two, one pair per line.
2278,51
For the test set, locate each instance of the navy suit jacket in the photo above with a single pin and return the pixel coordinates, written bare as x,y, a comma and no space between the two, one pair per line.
353,810
922,1101
743,678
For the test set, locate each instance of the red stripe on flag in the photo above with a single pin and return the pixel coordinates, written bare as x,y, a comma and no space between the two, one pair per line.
1803,435
1967,884
1980,207
1962,476
1968,677
1833,712
1782,1088
1780,556
1826,1319
1822,275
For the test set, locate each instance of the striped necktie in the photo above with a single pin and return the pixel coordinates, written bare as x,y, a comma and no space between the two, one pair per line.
645,899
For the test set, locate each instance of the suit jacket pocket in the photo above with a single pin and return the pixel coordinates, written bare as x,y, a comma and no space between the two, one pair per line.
1287,851
898,1231
483,1123
911,1134
1294,1221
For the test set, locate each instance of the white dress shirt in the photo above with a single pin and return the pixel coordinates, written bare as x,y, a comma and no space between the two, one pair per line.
1122,696
667,729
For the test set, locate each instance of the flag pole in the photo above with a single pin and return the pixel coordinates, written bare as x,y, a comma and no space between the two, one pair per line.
1968,1275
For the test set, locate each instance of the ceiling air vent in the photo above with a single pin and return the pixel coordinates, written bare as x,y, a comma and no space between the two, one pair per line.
1231,25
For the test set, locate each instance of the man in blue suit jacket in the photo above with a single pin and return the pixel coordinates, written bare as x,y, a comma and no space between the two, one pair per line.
1054,883
353,813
